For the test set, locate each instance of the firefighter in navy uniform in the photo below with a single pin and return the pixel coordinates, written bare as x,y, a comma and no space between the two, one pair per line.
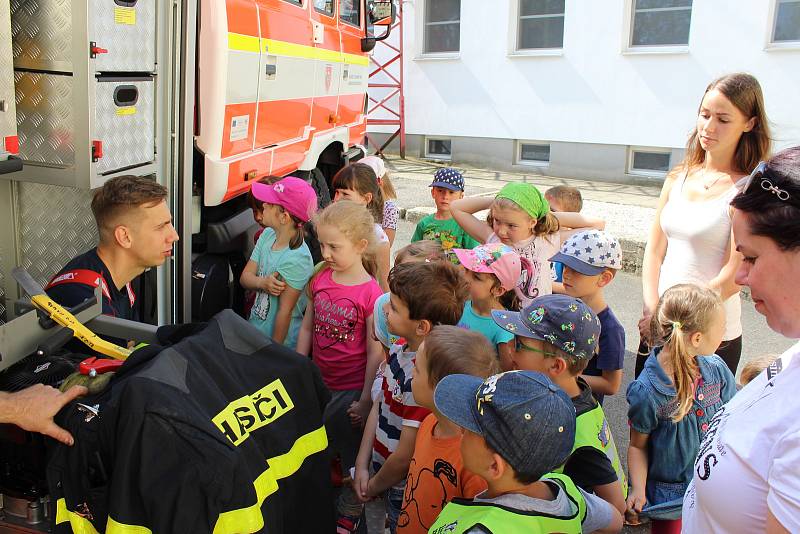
135,229
136,233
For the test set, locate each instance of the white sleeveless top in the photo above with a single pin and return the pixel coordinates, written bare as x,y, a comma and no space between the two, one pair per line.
698,233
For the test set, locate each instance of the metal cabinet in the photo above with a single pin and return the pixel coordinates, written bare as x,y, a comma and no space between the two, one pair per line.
84,74
8,121
121,35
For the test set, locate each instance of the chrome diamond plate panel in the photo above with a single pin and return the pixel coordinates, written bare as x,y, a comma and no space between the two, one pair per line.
3,316
55,224
128,33
44,118
127,132
42,32
8,119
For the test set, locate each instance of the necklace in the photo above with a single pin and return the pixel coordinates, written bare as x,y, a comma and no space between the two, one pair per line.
712,184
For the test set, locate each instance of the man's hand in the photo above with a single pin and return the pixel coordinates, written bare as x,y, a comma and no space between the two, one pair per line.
272,284
34,408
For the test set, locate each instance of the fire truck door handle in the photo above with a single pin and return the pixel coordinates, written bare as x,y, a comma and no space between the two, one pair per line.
271,70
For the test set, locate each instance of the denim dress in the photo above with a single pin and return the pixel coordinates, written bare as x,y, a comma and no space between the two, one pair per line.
672,447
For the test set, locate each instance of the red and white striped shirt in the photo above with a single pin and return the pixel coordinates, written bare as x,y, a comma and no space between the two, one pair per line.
397,407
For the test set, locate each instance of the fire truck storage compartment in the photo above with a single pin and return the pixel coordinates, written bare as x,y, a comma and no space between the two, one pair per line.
123,128
124,122
121,34
9,145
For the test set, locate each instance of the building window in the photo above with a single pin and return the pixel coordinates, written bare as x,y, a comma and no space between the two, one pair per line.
786,26
438,148
649,161
442,26
541,24
661,22
531,153
350,12
324,6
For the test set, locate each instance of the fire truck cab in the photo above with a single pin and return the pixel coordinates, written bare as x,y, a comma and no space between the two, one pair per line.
280,82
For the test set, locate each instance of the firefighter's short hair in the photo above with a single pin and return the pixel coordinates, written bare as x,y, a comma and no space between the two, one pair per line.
119,196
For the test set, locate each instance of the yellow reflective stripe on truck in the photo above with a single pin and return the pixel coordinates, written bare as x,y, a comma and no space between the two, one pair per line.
248,519
248,43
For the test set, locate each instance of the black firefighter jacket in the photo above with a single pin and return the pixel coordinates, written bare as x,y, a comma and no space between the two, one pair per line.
220,431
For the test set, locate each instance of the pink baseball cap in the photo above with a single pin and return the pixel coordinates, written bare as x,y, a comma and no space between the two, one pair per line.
292,194
496,258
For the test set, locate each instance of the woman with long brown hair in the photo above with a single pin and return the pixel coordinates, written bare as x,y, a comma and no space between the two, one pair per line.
690,240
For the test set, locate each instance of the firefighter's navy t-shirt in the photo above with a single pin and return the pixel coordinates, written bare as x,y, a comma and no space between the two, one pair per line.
70,294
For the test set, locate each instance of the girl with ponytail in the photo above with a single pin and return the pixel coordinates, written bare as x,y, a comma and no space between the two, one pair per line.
672,403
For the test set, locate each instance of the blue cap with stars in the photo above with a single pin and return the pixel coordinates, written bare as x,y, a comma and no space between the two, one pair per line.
590,252
448,178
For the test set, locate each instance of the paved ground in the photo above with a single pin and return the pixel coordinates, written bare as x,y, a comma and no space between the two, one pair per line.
628,208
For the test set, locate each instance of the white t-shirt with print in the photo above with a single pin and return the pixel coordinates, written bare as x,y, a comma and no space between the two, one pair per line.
749,461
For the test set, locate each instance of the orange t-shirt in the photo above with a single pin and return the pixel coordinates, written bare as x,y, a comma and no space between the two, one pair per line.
435,476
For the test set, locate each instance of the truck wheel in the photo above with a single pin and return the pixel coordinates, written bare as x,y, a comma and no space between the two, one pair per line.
320,186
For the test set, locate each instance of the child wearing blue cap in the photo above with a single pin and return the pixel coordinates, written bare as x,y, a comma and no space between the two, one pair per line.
518,428
590,261
557,335
447,186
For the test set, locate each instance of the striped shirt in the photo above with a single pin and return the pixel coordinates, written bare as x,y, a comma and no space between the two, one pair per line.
397,407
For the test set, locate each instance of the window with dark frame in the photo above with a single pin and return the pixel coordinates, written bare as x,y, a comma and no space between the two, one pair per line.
350,12
786,27
649,162
537,153
439,148
540,25
660,22
295,2
442,26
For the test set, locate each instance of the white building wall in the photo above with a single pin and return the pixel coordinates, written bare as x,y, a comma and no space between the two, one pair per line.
593,91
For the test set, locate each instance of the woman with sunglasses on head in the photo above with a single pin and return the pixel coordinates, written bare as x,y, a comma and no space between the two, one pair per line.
690,239
746,476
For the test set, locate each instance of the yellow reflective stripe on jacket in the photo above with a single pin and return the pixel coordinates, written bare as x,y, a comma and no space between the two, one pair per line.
79,524
248,519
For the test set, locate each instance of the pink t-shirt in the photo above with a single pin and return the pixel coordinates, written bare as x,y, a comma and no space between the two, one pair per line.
339,342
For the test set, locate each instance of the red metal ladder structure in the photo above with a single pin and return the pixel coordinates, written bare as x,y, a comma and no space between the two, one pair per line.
386,105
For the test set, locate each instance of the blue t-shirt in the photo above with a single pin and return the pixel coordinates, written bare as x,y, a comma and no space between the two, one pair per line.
295,267
485,325
611,356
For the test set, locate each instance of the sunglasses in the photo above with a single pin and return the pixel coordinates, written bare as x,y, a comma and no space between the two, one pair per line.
759,176
519,346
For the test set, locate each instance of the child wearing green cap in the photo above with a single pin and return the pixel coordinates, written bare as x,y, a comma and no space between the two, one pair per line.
520,216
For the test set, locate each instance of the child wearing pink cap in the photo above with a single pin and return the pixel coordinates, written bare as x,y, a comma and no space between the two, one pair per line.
281,264
493,271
